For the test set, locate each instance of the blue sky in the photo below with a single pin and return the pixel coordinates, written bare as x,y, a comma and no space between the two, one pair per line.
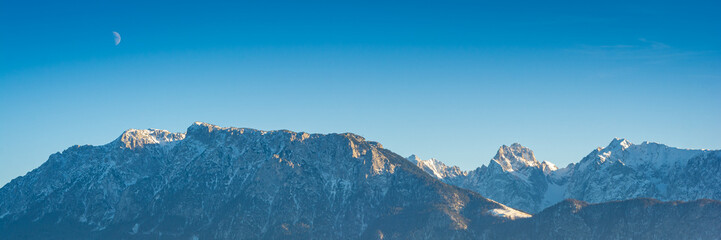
452,80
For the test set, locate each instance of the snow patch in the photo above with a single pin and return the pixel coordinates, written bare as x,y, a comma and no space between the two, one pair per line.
509,213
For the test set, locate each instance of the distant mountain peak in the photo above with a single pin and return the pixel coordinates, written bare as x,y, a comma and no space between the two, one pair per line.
134,138
619,143
414,159
198,123
201,128
436,168
515,157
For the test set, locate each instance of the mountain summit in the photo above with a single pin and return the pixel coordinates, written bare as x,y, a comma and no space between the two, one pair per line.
515,157
134,138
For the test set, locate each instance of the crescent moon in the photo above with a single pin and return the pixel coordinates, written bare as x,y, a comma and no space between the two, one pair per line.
116,37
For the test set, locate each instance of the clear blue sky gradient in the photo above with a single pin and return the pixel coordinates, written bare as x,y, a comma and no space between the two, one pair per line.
452,80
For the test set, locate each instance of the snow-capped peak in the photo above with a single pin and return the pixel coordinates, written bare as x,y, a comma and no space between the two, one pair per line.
133,138
515,157
619,143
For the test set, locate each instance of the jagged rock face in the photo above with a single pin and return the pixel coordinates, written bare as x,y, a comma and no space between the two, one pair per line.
619,171
513,177
515,157
230,183
629,219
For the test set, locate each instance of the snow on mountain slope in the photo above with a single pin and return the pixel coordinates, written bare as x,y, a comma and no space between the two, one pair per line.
646,154
509,213
623,170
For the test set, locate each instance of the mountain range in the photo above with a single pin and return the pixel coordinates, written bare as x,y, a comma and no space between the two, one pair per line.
619,171
216,182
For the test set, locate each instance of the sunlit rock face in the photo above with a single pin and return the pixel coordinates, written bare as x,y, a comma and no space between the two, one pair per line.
619,171
236,183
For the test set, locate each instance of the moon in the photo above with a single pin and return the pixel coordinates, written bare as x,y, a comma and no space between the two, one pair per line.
116,37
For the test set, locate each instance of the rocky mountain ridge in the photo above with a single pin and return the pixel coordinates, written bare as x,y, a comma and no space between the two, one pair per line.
238,183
